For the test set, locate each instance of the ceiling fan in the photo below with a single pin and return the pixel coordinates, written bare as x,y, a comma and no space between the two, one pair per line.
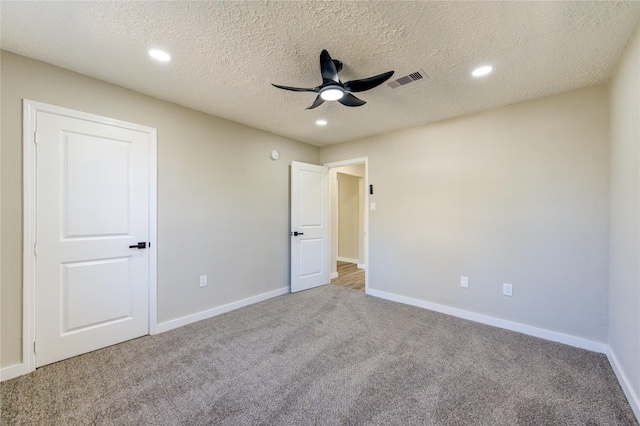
332,89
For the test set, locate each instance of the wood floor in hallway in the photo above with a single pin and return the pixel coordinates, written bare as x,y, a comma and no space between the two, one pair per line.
349,276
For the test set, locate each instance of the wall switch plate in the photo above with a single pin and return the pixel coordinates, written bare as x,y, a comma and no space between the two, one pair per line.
507,289
203,280
373,206
464,282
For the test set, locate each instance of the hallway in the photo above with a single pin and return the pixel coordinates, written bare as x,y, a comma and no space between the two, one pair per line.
349,276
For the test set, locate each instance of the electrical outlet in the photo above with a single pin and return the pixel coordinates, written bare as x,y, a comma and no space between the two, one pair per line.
464,282
203,280
507,289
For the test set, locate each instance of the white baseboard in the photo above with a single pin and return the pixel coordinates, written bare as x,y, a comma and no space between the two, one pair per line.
347,259
542,333
632,397
11,372
361,266
179,322
333,276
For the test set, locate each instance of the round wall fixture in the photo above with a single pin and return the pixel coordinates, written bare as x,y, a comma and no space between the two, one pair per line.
274,155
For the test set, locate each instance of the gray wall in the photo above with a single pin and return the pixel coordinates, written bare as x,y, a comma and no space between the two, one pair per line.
516,194
222,203
624,274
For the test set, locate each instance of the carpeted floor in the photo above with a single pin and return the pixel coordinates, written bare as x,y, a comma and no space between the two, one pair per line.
328,356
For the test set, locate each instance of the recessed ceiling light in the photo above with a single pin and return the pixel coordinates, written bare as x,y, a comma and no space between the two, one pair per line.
321,122
159,55
480,71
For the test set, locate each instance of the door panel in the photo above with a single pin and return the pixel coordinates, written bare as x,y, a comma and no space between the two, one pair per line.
93,198
105,285
311,198
95,165
310,256
310,219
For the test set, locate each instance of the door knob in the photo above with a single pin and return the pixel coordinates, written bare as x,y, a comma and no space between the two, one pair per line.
296,233
141,245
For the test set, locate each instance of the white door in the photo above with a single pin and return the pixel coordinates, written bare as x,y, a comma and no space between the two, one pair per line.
309,226
92,198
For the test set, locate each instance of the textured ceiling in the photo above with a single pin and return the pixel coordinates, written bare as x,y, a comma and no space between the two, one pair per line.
226,54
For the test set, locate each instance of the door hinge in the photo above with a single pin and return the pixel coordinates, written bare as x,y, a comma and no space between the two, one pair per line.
35,347
35,137
35,249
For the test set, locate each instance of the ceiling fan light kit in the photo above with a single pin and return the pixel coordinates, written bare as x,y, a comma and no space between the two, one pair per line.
332,89
331,93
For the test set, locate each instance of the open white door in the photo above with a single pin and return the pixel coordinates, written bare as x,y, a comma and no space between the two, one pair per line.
309,226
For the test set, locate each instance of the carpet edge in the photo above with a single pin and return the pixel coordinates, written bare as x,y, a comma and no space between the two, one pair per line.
554,336
209,313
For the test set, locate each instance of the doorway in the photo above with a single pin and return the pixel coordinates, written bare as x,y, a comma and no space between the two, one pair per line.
349,223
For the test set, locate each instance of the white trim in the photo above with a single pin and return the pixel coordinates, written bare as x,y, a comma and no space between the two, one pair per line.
333,275
189,319
153,231
11,372
361,266
351,162
348,260
632,397
542,333
29,235
365,161
30,109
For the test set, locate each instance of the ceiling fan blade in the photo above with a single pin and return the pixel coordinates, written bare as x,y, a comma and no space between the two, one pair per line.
367,83
328,69
319,101
297,89
349,100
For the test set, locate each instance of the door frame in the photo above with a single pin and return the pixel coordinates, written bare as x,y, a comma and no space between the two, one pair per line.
30,109
353,162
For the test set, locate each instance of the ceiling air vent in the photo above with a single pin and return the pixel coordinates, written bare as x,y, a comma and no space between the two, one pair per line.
403,81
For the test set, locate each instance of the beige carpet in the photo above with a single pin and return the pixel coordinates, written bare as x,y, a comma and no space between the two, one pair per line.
328,356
